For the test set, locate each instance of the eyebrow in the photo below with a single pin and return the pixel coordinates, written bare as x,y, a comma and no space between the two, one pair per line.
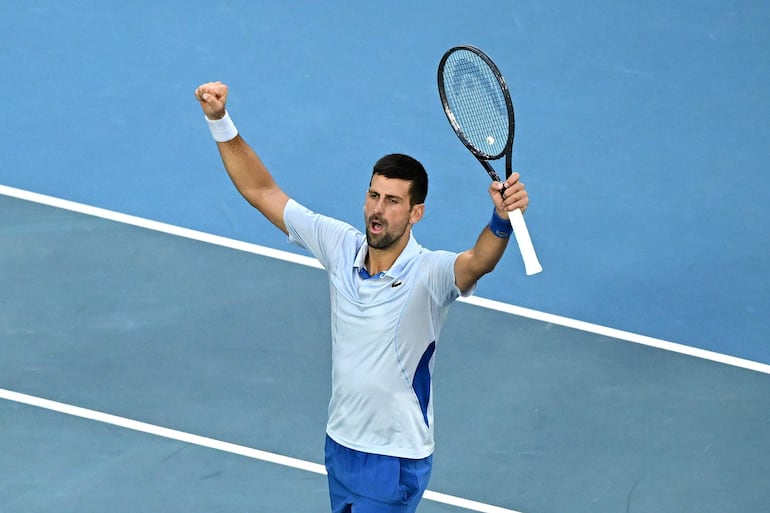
387,196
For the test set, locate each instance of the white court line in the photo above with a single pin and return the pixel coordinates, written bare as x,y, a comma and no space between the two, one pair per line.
219,445
312,262
622,335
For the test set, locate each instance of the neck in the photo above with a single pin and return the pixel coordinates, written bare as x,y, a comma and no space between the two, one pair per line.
379,260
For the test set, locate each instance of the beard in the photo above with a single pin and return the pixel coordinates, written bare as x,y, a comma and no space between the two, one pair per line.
385,238
381,240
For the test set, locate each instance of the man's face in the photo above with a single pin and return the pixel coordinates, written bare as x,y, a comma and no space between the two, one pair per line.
387,211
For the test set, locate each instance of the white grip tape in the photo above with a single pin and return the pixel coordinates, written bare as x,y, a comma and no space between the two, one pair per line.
531,263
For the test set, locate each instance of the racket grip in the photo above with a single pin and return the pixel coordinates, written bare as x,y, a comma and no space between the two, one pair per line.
531,263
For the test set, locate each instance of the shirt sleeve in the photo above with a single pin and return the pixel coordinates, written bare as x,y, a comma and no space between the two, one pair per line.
323,236
438,270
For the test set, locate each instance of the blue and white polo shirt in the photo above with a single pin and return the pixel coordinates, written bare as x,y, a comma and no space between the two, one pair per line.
384,333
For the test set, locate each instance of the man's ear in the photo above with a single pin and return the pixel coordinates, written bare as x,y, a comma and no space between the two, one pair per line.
417,212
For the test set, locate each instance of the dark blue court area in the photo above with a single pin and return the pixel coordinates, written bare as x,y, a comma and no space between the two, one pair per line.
232,346
158,354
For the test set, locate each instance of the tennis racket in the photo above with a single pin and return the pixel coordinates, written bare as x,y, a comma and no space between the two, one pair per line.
478,106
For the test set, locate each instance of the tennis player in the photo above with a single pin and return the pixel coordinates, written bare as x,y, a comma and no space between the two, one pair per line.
389,298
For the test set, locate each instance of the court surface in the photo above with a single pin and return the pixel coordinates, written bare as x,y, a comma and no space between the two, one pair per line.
222,343
178,360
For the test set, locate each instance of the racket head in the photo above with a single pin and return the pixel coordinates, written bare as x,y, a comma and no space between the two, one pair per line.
477,102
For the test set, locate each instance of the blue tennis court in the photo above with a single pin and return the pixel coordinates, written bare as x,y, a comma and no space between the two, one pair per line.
163,349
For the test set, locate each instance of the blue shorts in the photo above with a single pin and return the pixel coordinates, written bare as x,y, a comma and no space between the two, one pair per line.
360,482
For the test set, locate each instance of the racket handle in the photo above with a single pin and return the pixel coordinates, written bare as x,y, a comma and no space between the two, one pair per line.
531,263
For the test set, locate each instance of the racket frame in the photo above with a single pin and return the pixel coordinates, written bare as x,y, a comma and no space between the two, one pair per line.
480,154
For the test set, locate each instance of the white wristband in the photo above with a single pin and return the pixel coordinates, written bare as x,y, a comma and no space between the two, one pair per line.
222,130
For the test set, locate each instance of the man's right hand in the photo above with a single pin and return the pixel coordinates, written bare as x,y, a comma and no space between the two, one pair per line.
212,97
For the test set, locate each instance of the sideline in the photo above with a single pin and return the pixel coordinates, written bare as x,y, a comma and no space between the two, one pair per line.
219,445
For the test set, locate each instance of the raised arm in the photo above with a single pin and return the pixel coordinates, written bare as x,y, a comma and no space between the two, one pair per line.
483,257
246,170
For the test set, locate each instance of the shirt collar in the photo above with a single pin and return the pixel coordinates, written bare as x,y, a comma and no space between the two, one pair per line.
411,249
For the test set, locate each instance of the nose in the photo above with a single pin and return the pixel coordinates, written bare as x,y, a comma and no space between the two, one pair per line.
379,206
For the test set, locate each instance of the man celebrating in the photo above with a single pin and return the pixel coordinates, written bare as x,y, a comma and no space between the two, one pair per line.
389,298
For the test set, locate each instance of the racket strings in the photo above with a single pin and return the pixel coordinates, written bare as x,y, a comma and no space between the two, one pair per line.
477,102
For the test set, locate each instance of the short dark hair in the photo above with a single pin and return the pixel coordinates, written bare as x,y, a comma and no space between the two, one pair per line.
404,167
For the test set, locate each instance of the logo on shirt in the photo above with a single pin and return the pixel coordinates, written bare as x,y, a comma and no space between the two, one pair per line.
396,284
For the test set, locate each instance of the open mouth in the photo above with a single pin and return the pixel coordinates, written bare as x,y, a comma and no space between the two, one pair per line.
375,226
